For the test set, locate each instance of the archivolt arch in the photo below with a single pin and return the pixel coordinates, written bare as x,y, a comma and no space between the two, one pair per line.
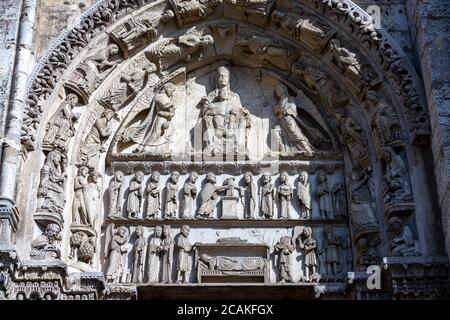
365,90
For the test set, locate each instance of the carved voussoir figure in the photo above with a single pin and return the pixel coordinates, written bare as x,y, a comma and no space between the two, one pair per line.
188,47
91,195
93,144
114,191
79,211
189,11
284,248
385,124
134,33
396,186
403,242
46,246
362,207
134,201
128,86
103,60
153,197
61,126
51,187
115,252
355,139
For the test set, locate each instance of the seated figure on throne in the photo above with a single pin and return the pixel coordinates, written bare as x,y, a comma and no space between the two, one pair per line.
226,122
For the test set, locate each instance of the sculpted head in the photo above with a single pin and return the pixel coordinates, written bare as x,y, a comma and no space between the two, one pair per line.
155,176
395,225
166,231
185,229
307,231
321,176
139,176
223,77
169,89
113,49
108,114
387,154
207,40
211,177
122,231
281,91
266,178
158,231
139,231
328,231
174,176
118,175
52,231
303,176
94,177
284,176
248,178
193,176
362,246
72,99
55,158
83,171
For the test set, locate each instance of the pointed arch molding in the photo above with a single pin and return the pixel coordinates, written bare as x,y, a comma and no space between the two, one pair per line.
344,21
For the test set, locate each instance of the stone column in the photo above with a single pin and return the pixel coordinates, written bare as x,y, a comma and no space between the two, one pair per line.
11,146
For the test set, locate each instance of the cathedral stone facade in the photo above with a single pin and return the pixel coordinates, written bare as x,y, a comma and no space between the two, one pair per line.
210,148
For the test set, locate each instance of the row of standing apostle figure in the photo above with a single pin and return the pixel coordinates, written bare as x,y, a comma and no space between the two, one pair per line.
158,253
331,201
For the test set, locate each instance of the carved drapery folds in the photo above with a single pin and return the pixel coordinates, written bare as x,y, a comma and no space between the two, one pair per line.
162,92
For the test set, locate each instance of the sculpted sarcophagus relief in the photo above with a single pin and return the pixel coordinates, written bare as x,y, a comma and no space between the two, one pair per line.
218,262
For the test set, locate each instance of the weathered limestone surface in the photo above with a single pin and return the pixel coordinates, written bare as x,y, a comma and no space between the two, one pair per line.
9,22
430,23
178,144
53,17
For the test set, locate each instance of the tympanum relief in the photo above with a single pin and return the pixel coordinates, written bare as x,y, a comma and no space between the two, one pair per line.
214,151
